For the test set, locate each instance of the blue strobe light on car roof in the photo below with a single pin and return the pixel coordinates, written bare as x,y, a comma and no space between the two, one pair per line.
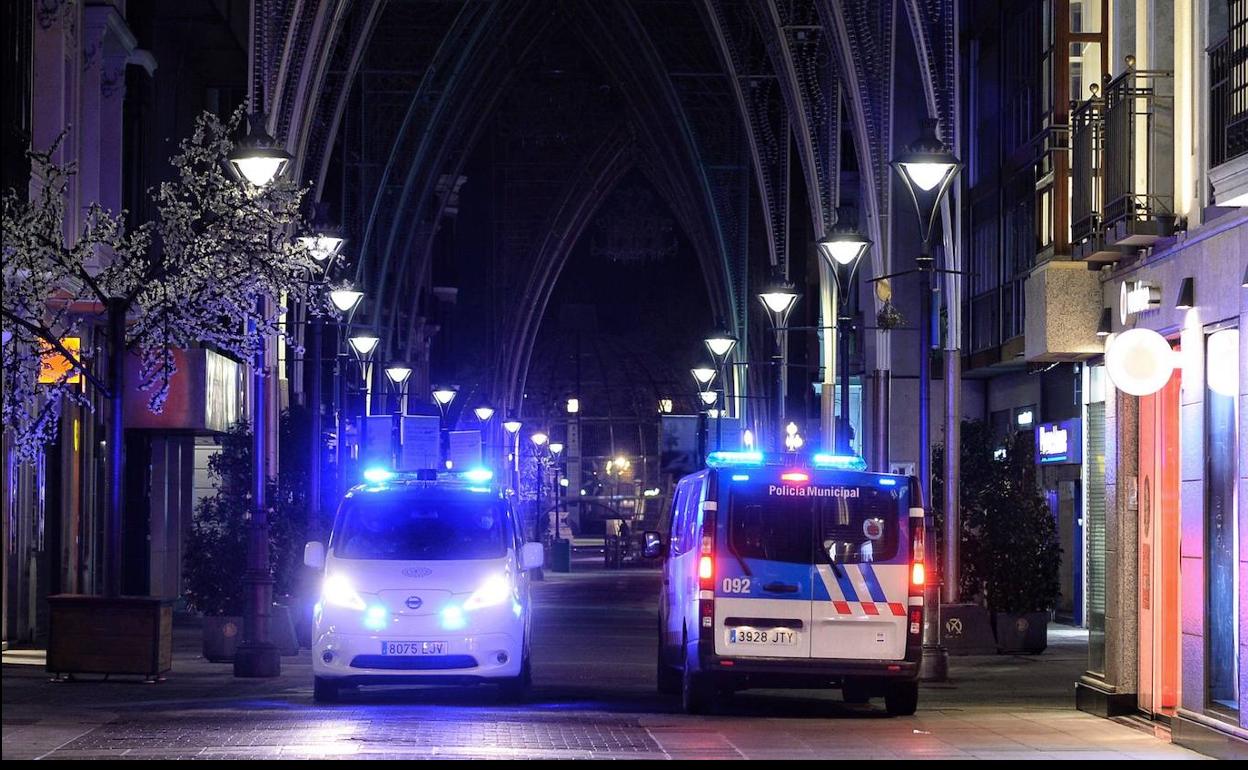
479,475
378,475
826,461
731,459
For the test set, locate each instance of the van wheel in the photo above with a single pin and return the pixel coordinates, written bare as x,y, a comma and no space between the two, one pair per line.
668,678
696,691
901,698
855,691
324,691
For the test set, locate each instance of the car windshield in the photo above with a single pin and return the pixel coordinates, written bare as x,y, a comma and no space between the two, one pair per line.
861,527
410,528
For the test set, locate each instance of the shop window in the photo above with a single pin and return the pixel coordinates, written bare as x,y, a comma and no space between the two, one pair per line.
1222,587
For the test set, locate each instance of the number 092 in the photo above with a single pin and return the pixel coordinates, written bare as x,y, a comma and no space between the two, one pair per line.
736,585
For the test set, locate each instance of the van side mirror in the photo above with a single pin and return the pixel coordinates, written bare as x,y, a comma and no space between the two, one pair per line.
532,555
653,547
314,555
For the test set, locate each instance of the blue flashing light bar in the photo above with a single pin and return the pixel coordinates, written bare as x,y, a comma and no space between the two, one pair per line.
740,477
479,475
826,461
729,459
888,482
377,475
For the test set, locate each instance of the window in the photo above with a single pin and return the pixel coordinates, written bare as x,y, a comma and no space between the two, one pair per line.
1222,579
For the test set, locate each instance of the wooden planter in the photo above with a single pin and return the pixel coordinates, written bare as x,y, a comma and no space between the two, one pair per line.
101,635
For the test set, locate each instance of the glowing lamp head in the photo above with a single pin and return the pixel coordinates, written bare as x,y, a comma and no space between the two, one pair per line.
345,299
484,413
556,447
444,395
665,406
844,246
703,375
321,246
708,397
257,158
398,374
721,343
573,406
512,426
539,439
778,301
363,344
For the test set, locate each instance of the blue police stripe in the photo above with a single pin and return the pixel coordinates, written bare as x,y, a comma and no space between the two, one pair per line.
873,583
847,587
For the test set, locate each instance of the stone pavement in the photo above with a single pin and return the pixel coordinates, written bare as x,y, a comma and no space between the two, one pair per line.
594,698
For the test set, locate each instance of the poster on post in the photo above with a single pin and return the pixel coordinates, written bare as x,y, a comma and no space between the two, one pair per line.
421,442
464,449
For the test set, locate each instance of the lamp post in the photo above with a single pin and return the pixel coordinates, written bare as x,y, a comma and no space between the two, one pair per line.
443,395
721,342
512,426
539,440
556,450
363,345
928,168
346,300
398,376
779,299
842,250
257,160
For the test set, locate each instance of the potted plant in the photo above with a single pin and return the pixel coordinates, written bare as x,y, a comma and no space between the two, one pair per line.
216,552
1009,549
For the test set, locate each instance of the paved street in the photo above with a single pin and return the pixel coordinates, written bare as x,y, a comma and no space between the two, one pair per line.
594,698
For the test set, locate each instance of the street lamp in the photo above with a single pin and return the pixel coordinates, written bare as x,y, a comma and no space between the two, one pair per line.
443,395
709,397
484,412
364,345
346,300
398,376
703,375
779,300
556,448
793,440
720,342
928,168
843,249
258,158
513,426
325,240
666,405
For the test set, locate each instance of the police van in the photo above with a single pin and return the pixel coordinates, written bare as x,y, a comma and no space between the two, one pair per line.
425,581
787,572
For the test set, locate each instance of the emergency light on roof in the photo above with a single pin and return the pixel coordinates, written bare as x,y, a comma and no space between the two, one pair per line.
839,462
479,475
729,459
377,475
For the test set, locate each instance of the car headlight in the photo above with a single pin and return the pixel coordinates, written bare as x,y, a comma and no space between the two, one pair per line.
337,591
496,590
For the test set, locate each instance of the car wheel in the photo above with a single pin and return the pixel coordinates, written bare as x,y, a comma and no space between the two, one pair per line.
516,688
324,691
855,691
901,698
696,690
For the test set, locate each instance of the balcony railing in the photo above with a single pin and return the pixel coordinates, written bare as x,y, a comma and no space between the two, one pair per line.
1137,165
1228,94
1085,169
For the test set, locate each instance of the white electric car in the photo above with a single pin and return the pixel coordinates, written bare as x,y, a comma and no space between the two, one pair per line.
425,582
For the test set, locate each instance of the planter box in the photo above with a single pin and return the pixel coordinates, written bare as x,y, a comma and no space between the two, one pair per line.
100,635
221,637
966,629
1027,632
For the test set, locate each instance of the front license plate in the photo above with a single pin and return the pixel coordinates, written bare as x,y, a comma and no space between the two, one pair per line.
413,648
767,637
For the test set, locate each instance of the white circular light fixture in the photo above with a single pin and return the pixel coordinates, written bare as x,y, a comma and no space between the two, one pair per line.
1139,362
1222,362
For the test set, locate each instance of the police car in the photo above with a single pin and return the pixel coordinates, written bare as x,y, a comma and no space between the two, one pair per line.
786,572
425,581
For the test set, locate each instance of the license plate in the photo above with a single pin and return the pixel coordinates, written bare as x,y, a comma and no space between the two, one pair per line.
766,637
413,648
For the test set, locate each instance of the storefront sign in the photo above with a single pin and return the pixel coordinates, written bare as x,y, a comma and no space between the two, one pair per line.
1059,443
1137,297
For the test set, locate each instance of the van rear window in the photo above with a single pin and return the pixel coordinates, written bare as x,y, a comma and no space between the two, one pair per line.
806,529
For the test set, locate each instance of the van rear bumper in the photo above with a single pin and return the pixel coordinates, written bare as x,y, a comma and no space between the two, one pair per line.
784,673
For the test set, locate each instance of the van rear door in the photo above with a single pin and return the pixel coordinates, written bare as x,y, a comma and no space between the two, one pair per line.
763,574
862,566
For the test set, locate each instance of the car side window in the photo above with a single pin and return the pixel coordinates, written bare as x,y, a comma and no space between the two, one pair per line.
692,517
678,518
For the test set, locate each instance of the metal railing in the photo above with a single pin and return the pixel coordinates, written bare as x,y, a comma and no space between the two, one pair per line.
1129,149
1228,92
1085,168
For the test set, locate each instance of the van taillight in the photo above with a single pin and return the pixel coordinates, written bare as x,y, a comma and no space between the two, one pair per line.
917,574
706,568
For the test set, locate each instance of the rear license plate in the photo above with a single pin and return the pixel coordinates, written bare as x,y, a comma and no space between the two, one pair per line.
413,648
763,637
